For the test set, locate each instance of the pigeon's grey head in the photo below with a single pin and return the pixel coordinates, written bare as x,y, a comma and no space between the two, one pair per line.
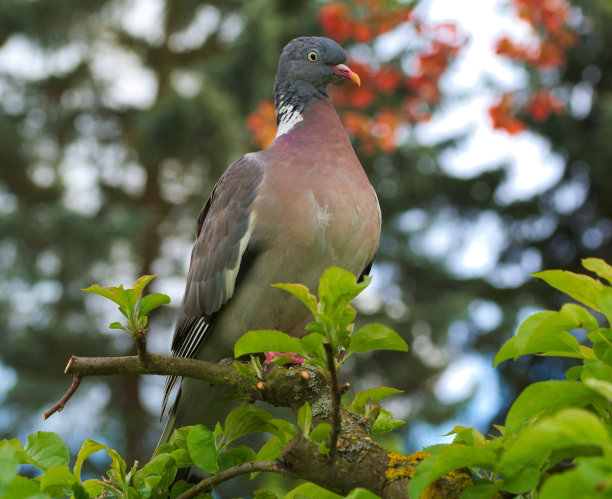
308,64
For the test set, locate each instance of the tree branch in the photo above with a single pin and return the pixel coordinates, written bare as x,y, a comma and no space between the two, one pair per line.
307,382
358,461
208,483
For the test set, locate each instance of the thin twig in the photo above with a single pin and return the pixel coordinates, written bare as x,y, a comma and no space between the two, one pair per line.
141,343
335,396
208,483
59,405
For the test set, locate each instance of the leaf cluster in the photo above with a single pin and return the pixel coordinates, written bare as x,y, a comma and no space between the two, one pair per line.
557,439
132,305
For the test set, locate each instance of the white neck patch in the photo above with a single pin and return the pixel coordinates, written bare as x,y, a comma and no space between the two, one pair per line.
289,117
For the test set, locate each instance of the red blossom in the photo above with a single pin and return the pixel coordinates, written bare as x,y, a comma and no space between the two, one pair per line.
503,115
542,104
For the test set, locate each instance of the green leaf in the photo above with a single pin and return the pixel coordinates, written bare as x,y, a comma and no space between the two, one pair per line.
467,436
376,394
142,282
9,464
320,432
24,488
338,287
385,423
264,494
305,419
450,458
116,325
376,337
569,427
281,360
56,479
547,331
181,458
267,340
599,267
47,449
547,396
361,494
590,479
582,288
151,302
79,492
302,293
481,490
313,344
93,487
604,388
202,448
159,472
283,429
244,369
246,419
310,490
237,455
270,451
88,448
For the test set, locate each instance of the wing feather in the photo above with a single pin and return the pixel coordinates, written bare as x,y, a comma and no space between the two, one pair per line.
223,235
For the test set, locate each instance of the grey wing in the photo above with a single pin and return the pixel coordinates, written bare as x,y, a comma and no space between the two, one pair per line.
223,234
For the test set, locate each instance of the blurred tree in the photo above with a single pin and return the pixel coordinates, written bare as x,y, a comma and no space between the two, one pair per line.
126,113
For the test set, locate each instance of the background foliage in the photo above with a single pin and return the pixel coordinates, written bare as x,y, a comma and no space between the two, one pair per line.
102,180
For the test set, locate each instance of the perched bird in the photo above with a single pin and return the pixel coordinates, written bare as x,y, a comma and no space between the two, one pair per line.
283,214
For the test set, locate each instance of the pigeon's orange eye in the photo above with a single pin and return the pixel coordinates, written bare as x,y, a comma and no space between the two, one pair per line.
312,56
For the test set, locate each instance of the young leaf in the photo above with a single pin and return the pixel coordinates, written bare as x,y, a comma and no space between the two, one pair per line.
376,394
582,288
151,302
202,448
9,464
310,490
450,458
385,423
599,267
604,388
305,419
270,451
246,419
302,293
88,448
569,427
547,396
547,331
244,370
376,337
320,432
237,455
158,473
339,286
267,340
56,479
142,282
47,449
23,488
115,325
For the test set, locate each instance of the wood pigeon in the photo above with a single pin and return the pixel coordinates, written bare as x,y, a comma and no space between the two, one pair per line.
283,214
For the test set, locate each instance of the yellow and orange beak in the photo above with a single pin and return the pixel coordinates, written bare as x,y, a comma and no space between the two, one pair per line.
345,72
